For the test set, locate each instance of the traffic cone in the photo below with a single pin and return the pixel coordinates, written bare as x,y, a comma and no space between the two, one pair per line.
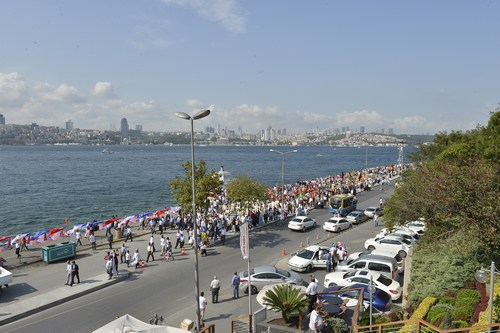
182,251
283,252
143,264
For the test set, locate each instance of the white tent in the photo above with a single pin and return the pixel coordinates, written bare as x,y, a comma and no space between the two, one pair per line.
129,324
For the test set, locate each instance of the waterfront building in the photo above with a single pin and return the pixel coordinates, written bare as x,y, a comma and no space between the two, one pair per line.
124,129
69,125
2,120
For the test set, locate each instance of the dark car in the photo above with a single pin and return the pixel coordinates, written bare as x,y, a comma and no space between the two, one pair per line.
382,301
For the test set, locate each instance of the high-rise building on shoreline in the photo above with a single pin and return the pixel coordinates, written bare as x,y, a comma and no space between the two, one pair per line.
2,120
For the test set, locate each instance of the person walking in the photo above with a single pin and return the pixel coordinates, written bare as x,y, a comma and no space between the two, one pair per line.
129,234
109,267
178,238
127,258
123,251
329,262
68,272
75,272
78,237
311,292
223,235
150,252
235,283
110,240
92,240
215,287
203,306
137,258
18,249
375,219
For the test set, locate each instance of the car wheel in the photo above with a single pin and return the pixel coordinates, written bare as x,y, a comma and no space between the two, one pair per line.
371,247
402,254
308,268
254,290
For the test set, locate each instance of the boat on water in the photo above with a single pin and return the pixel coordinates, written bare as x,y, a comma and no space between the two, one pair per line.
107,151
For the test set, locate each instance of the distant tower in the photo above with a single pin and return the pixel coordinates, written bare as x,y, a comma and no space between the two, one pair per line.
69,125
400,157
124,128
362,129
2,120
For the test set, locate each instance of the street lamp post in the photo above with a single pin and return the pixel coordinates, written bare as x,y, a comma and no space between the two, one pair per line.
283,153
198,115
481,277
371,289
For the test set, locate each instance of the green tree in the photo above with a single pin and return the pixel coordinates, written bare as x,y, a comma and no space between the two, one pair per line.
208,183
287,299
245,192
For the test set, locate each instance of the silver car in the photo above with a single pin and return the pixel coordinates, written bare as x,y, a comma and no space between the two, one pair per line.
357,217
265,275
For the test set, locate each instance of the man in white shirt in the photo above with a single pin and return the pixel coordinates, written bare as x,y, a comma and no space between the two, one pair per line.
311,292
315,320
203,305
215,287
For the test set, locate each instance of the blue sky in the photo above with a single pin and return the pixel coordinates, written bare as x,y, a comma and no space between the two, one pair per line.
415,66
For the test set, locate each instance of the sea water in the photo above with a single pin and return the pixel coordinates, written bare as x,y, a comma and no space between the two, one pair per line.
41,186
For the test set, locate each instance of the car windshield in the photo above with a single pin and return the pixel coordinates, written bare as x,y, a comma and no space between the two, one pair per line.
297,220
282,272
384,280
333,221
353,214
305,254
370,209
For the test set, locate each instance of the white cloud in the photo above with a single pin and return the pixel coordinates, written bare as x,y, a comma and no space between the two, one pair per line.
62,94
104,89
226,12
13,90
413,124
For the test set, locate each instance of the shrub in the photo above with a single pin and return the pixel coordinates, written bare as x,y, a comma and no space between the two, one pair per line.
438,311
463,312
420,312
447,300
460,324
469,294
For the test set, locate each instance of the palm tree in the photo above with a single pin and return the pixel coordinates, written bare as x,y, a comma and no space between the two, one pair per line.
286,298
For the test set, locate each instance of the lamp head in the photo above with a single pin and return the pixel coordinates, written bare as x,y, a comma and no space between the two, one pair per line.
183,115
481,276
201,114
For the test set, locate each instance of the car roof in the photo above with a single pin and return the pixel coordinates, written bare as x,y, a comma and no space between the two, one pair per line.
315,248
261,269
367,273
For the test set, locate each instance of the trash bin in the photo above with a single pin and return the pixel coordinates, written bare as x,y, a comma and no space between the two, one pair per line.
118,233
187,324
57,252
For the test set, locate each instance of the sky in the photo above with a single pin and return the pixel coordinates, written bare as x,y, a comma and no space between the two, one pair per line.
419,67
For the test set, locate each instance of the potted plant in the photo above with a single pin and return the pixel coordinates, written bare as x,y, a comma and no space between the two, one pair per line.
287,299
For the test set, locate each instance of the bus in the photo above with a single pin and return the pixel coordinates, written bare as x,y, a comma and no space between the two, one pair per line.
343,204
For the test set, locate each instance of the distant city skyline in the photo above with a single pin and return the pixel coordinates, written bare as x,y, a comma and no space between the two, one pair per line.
416,67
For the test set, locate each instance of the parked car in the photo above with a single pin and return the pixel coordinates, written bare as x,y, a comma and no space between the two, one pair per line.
390,254
381,281
389,243
301,223
305,260
265,275
371,211
357,217
406,234
418,226
381,300
382,264
337,224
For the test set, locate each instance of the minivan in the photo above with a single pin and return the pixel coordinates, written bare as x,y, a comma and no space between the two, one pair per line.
400,260
387,266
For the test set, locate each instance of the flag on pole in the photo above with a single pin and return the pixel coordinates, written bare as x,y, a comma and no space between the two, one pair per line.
244,237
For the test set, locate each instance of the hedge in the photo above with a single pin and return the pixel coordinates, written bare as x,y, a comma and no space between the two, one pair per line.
419,313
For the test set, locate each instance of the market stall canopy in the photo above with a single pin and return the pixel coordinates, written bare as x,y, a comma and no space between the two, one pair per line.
129,324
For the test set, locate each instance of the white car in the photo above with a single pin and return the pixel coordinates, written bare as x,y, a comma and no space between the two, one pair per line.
305,260
337,224
389,243
371,211
418,226
400,260
301,223
406,234
342,279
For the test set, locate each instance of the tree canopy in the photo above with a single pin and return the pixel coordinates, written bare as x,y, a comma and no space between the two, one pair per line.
245,192
208,183
455,189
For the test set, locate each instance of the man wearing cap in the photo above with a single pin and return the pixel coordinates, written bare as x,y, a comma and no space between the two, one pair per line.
214,287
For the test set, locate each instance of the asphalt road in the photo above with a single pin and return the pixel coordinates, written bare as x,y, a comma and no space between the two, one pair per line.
167,288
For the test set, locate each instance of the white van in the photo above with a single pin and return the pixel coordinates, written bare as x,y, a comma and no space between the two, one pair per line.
382,264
